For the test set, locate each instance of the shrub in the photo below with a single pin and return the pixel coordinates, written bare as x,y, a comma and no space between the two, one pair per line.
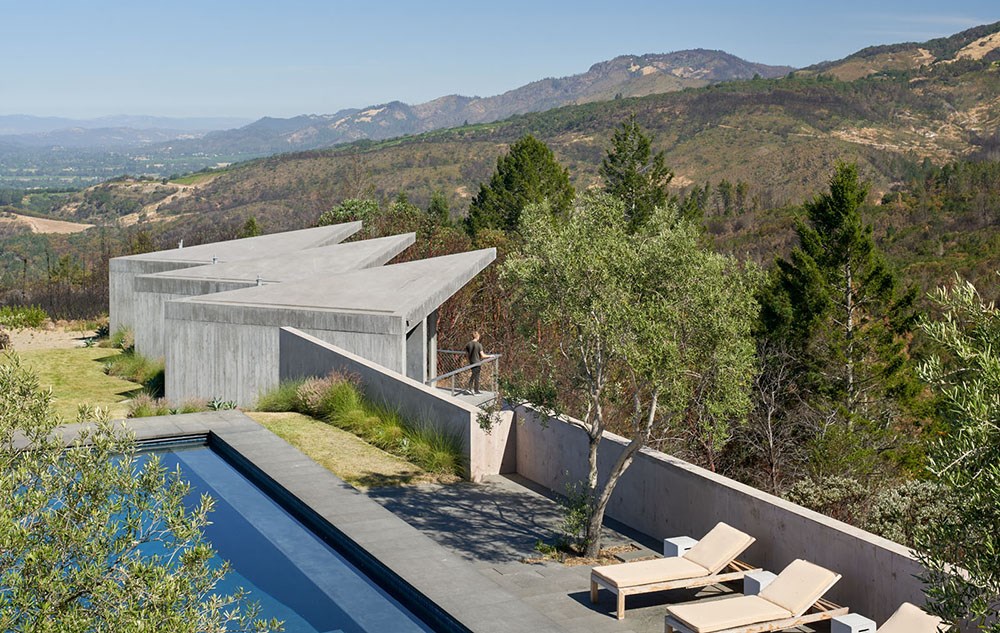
309,396
123,339
218,404
841,498
898,513
20,317
5,342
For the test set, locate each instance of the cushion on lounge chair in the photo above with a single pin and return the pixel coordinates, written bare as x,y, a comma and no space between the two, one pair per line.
644,572
706,616
799,586
719,547
910,619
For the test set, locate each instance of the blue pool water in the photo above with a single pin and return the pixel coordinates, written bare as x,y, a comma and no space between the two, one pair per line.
294,575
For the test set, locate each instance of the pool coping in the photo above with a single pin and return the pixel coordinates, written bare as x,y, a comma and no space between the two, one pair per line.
454,585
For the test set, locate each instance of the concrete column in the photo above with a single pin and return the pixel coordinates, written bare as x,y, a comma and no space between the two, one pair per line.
432,344
416,352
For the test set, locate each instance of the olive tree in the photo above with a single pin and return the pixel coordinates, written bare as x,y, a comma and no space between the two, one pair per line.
649,319
94,537
965,461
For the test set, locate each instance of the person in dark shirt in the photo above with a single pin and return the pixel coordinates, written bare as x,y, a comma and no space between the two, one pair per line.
474,352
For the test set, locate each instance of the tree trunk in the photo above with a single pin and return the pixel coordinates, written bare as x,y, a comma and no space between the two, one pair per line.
850,396
596,520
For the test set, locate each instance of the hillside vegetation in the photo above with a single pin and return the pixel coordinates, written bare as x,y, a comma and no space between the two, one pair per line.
752,149
779,136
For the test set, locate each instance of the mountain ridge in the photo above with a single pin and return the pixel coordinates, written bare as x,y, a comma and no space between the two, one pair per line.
621,76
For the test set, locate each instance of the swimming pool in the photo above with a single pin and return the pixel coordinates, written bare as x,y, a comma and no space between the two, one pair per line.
294,574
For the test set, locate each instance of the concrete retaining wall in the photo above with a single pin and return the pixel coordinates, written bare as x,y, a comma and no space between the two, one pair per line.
304,356
663,496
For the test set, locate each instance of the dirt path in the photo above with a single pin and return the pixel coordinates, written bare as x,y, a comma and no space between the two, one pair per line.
44,225
57,337
151,212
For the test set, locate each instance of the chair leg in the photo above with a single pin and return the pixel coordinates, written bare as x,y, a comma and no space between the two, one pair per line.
593,592
621,605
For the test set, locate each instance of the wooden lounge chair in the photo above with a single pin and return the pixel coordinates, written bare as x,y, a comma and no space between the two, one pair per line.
793,598
912,619
698,567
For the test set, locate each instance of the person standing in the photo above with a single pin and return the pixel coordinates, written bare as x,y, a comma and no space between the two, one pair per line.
474,352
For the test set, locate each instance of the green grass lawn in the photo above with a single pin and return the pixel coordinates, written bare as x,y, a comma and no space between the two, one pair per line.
344,454
77,376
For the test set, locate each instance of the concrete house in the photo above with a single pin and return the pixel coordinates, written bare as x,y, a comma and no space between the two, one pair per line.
123,270
226,345
151,292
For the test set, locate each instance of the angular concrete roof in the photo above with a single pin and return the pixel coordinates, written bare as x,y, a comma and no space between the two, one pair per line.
253,247
310,263
405,292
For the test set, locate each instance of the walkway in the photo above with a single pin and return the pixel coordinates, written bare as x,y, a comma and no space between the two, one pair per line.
495,526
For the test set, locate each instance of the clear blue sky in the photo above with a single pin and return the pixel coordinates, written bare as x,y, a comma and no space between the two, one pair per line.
285,57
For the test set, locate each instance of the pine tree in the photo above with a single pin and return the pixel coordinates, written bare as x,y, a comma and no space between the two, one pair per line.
438,209
837,304
250,228
527,174
634,174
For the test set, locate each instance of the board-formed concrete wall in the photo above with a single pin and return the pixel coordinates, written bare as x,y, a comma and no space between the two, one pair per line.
147,308
232,356
121,293
305,356
662,496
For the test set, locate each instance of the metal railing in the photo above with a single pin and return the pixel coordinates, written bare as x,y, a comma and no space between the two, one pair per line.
454,368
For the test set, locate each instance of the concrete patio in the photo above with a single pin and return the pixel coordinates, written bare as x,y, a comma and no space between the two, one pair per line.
494,526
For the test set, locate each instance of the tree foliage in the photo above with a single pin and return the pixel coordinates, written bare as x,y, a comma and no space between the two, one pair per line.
657,322
966,461
632,173
93,538
527,174
350,210
438,209
839,307
250,228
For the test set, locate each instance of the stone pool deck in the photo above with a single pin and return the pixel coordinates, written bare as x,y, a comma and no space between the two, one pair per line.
461,546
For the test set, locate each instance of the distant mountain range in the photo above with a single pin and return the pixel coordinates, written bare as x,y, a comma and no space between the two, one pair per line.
34,149
25,124
109,133
624,76
779,137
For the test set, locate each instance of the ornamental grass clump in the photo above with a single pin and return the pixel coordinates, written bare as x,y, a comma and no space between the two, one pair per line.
146,405
137,368
282,399
338,400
